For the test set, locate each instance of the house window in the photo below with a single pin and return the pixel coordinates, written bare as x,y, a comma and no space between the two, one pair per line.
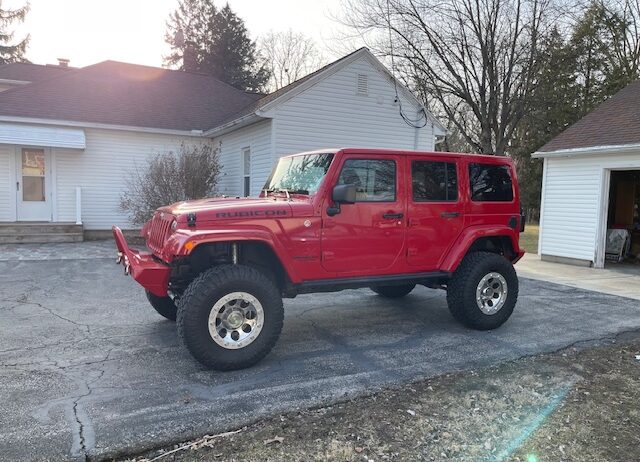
490,183
434,181
246,171
33,175
362,84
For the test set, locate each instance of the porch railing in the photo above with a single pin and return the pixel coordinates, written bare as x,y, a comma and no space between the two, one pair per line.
78,205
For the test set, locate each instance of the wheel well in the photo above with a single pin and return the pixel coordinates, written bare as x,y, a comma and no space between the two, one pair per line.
497,244
251,253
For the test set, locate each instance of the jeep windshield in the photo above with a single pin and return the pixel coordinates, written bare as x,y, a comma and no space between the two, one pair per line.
298,174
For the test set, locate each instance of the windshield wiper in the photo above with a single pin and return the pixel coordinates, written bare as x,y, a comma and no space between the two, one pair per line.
287,191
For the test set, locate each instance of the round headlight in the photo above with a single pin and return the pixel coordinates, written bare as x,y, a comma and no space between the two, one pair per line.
174,225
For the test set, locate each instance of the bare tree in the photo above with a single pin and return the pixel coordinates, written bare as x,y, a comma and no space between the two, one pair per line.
192,173
476,60
289,56
622,22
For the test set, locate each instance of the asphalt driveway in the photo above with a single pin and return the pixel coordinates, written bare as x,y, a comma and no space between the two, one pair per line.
88,369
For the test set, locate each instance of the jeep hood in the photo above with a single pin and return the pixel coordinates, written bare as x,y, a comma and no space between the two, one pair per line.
214,209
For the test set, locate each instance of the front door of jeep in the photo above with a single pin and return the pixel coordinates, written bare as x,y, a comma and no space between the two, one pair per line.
366,237
434,210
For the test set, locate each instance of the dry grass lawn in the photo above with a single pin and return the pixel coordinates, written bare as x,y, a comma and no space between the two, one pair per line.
529,239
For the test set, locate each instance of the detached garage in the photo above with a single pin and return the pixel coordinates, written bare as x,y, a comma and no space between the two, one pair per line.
591,187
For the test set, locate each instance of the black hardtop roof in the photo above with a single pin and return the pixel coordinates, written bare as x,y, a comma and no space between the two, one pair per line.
404,152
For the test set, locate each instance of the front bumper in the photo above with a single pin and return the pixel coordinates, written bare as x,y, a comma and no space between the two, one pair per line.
148,272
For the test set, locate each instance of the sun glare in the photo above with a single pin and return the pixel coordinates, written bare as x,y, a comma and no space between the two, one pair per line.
87,32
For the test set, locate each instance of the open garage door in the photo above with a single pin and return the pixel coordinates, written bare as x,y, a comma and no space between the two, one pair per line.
623,220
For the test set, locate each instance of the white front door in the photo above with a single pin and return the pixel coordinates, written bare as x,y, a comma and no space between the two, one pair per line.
33,184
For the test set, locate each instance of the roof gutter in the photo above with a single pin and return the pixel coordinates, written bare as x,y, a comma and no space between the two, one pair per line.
233,125
70,123
593,150
14,82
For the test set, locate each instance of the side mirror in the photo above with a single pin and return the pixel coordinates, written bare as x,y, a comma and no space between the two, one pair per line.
344,194
341,194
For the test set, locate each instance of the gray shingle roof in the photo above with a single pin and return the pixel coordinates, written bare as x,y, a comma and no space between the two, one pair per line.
28,72
614,122
117,93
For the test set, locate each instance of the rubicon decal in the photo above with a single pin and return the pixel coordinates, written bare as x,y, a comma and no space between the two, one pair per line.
252,213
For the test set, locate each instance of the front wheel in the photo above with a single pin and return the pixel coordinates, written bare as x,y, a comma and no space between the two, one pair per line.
483,291
165,306
230,317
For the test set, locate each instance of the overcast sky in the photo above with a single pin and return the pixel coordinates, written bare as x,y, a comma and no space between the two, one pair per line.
90,31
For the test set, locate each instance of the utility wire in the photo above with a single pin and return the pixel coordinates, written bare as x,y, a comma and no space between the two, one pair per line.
422,121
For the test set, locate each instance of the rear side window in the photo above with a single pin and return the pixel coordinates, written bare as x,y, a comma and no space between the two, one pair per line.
434,181
375,180
490,183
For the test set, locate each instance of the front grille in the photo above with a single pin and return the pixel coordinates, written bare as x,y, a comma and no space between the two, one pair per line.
158,231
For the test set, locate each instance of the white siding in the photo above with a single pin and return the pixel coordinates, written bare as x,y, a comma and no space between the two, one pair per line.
573,195
332,114
258,138
7,183
101,171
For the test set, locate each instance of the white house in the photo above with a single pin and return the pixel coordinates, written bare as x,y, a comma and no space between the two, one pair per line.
591,182
69,139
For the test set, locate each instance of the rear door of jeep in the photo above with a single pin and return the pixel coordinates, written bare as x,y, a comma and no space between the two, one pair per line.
435,209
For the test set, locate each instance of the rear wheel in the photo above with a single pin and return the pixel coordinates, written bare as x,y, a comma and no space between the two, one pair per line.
393,291
163,305
483,291
230,317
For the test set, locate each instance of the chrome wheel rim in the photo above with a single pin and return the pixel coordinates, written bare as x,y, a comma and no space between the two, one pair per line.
491,293
236,320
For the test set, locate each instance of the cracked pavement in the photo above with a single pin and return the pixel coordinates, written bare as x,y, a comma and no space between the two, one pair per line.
89,371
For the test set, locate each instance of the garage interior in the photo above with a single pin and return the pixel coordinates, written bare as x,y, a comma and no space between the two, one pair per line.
623,220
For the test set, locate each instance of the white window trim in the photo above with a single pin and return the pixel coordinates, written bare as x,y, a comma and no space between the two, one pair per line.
244,175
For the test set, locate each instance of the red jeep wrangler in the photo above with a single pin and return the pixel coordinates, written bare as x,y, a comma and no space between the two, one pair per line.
326,221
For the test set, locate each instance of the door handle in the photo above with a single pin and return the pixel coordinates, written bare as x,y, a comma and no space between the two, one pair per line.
392,216
17,186
450,214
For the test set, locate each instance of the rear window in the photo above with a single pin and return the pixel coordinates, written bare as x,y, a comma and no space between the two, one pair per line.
434,181
490,183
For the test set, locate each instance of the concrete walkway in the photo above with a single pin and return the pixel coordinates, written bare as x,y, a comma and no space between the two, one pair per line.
87,250
622,281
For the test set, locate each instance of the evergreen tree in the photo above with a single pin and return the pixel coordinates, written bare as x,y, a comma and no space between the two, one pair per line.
216,42
11,53
587,52
552,109
621,22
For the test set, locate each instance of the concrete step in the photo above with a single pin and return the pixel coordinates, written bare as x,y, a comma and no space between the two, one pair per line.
40,232
40,238
39,228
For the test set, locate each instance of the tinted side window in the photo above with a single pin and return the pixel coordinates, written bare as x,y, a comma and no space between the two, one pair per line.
375,180
490,183
434,181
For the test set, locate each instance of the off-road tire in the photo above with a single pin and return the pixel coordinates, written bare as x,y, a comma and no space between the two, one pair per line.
163,305
461,290
198,300
393,291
